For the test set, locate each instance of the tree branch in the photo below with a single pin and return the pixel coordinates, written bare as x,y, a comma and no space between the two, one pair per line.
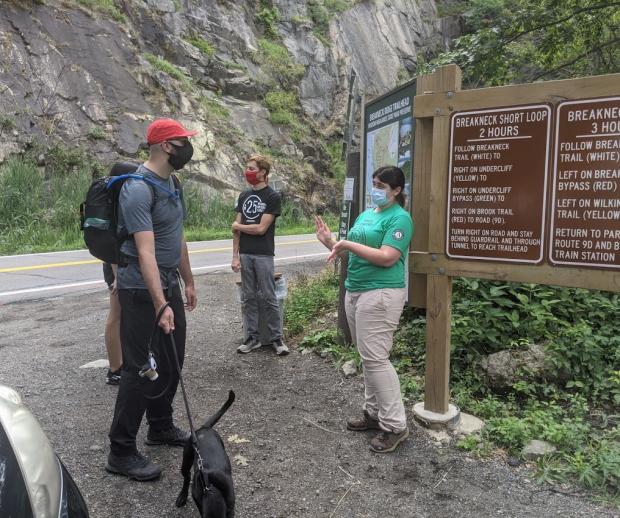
573,61
561,20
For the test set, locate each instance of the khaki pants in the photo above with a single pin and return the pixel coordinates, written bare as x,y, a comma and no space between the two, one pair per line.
373,317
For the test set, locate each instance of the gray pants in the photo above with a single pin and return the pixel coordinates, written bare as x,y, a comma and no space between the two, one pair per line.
258,290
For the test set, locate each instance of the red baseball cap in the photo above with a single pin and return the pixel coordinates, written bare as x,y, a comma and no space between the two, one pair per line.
161,130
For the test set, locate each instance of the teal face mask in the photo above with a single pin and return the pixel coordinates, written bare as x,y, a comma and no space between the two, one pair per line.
379,197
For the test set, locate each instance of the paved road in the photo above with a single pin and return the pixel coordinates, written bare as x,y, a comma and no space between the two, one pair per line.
35,276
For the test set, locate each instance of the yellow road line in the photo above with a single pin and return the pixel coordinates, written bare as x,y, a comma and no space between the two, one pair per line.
50,265
95,261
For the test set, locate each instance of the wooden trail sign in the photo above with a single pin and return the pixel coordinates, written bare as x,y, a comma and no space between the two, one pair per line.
585,223
536,167
497,183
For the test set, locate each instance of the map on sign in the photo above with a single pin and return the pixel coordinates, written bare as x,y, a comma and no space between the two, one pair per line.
381,149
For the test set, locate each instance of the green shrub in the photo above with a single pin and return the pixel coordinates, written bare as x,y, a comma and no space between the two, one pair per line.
96,133
321,12
278,62
282,107
204,46
167,67
39,210
214,108
7,123
580,330
338,164
268,17
309,298
107,7
231,65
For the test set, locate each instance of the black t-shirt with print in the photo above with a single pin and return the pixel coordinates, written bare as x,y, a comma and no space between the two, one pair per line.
252,205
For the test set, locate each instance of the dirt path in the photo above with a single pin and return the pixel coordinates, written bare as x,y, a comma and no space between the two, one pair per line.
301,462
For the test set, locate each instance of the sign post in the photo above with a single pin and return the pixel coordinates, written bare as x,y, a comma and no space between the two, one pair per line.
348,214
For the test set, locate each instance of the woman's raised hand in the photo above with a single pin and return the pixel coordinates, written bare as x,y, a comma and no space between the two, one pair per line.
323,233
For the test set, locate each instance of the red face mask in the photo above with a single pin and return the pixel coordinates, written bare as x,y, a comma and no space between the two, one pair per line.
252,177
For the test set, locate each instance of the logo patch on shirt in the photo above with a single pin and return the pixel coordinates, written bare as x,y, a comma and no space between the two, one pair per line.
398,235
253,207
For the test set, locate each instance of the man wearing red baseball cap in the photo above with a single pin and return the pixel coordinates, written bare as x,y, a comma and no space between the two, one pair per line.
161,130
151,214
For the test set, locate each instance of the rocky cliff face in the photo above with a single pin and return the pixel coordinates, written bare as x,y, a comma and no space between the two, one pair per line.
94,76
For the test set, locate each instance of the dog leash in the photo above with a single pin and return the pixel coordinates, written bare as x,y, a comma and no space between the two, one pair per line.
192,432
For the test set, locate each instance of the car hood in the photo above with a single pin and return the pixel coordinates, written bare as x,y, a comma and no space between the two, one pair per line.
38,464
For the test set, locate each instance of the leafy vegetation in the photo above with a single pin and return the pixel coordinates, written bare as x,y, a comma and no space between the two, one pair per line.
268,17
322,11
283,107
572,405
508,41
204,46
47,217
309,298
96,133
214,108
165,66
7,123
278,63
108,7
338,165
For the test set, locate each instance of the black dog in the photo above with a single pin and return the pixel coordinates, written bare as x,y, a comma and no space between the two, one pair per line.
212,484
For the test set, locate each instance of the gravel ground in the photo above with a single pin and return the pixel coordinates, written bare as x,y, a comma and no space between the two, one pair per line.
300,460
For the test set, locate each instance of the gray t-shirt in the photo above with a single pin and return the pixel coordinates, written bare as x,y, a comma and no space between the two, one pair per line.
163,214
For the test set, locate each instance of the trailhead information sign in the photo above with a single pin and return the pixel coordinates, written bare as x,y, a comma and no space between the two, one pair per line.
389,136
499,163
585,223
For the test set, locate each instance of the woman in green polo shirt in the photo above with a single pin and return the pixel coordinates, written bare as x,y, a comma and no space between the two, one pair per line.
377,245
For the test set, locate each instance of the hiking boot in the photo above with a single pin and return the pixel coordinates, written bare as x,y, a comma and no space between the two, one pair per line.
249,345
386,442
136,467
113,378
360,424
171,436
279,347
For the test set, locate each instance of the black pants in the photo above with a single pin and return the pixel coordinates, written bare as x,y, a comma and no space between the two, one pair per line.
134,392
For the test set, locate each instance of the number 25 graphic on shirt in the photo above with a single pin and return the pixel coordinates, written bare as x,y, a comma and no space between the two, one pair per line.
253,207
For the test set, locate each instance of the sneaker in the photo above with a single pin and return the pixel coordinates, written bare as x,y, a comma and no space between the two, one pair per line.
249,345
360,424
113,378
279,347
136,467
386,442
171,436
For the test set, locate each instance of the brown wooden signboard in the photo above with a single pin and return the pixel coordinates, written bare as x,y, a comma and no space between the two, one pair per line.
585,220
497,183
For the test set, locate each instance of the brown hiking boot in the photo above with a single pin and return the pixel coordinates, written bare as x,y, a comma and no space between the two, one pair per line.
359,424
386,442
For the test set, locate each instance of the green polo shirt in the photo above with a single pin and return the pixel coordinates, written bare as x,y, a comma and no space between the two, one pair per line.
393,227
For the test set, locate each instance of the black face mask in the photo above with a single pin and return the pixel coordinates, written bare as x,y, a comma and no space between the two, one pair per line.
182,156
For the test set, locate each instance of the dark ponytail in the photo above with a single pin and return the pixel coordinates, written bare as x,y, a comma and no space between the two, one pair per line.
394,177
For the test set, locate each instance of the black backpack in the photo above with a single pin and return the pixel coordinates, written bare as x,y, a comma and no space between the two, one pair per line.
99,212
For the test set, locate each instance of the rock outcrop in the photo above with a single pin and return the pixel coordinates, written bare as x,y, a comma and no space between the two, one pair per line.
95,78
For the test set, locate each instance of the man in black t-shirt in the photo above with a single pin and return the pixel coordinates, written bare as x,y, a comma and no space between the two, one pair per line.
253,250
